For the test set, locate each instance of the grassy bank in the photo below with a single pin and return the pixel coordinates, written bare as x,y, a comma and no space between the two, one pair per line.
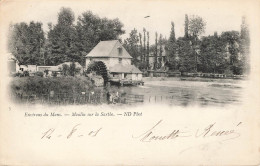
39,85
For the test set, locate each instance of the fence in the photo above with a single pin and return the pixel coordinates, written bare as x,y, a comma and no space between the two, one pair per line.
94,98
155,99
133,99
62,98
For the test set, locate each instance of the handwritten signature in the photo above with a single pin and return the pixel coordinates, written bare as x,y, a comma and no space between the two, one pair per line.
50,133
209,131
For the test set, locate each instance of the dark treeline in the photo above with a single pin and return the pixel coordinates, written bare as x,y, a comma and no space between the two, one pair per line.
71,39
227,53
66,41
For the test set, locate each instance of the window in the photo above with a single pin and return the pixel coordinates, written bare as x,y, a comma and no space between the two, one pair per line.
120,51
120,60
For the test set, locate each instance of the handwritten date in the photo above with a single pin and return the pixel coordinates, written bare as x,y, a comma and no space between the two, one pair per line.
74,132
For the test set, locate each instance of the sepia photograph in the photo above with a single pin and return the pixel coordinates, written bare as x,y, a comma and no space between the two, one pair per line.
90,57
142,82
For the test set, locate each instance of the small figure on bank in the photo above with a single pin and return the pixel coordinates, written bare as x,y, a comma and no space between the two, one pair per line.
108,97
111,99
116,99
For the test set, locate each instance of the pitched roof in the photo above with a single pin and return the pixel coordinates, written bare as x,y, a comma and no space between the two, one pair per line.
119,68
108,49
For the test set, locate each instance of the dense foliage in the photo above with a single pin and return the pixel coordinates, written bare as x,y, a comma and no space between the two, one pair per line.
227,53
65,41
71,39
26,42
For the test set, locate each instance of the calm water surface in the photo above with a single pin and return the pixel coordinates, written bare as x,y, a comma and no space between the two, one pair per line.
206,92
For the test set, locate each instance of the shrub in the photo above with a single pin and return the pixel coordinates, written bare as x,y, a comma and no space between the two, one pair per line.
39,73
17,74
46,72
54,74
25,73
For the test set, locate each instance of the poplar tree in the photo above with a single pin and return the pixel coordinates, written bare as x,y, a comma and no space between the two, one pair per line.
144,52
141,46
172,38
148,50
186,28
160,51
155,52
245,45
171,47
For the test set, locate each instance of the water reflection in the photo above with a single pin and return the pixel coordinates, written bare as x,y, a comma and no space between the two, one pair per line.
184,93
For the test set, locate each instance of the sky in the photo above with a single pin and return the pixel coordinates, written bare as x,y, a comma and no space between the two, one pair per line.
219,15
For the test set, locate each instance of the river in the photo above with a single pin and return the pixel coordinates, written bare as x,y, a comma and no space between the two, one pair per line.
188,91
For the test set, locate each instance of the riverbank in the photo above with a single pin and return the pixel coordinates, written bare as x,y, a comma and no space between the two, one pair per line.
200,79
52,86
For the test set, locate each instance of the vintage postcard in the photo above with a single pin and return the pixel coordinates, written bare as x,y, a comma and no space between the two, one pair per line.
129,82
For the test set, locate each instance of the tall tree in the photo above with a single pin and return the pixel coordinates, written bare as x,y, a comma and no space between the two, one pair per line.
172,49
212,55
91,29
245,46
141,46
144,53
216,34
186,55
148,51
131,45
26,42
155,52
186,26
62,38
160,51
172,38
231,40
196,28
66,17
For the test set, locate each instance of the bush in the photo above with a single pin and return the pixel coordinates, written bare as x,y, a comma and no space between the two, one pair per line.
54,74
39,73
26,74
46,72
17,74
